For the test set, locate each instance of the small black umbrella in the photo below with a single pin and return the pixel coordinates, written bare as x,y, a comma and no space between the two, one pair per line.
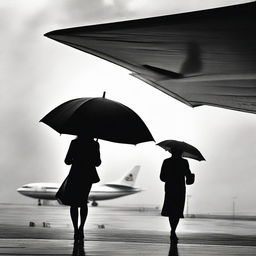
100,117
188,150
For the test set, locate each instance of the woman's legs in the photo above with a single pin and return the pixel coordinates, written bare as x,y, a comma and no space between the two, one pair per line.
174,221
78,232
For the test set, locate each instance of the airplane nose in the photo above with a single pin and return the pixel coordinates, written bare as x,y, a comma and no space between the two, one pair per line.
20,190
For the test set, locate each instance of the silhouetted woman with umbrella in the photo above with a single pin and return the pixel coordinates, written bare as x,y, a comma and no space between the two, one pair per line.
84,156
173,173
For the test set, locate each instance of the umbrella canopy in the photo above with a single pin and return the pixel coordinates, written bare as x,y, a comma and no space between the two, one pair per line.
100,117
200,58
188,150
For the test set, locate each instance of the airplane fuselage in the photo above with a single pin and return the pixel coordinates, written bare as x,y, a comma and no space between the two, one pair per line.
99,192
119,188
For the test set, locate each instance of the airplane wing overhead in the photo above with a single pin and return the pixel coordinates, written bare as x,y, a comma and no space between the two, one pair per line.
200,58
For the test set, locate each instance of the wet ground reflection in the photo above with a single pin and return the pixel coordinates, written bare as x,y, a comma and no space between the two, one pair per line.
78,249
173,251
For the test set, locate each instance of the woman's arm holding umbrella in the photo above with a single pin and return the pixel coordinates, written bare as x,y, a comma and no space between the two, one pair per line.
163,173
97,159
190,177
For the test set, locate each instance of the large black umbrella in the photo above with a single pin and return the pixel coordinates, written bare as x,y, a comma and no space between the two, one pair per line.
200,58
187,149
102,118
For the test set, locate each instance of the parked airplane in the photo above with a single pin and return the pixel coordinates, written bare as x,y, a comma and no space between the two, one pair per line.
119,188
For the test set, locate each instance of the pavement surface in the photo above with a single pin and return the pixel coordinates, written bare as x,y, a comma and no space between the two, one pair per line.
47,230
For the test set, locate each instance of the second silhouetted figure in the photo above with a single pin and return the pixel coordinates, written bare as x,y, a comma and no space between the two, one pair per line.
173,173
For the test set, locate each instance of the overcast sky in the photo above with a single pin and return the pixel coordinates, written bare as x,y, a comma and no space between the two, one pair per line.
37,74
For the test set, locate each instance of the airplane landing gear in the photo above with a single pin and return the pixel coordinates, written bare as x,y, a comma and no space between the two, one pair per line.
39,202
94,203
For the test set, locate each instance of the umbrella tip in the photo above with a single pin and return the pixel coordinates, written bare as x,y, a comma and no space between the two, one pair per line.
104,94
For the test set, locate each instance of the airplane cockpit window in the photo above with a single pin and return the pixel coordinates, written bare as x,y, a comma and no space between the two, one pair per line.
49,188
26,186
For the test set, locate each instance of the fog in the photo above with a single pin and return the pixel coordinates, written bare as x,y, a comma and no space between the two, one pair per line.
37,74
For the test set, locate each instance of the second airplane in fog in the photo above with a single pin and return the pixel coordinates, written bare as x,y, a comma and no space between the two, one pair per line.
112,190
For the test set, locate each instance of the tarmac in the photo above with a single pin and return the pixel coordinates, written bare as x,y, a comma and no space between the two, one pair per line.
47,230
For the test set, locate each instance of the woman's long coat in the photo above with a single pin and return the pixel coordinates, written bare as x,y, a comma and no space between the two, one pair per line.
84,156
173,173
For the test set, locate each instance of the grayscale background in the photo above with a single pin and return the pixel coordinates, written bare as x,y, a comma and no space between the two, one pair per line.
37,74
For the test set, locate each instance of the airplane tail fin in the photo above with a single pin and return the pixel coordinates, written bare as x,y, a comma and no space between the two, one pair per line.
129,178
